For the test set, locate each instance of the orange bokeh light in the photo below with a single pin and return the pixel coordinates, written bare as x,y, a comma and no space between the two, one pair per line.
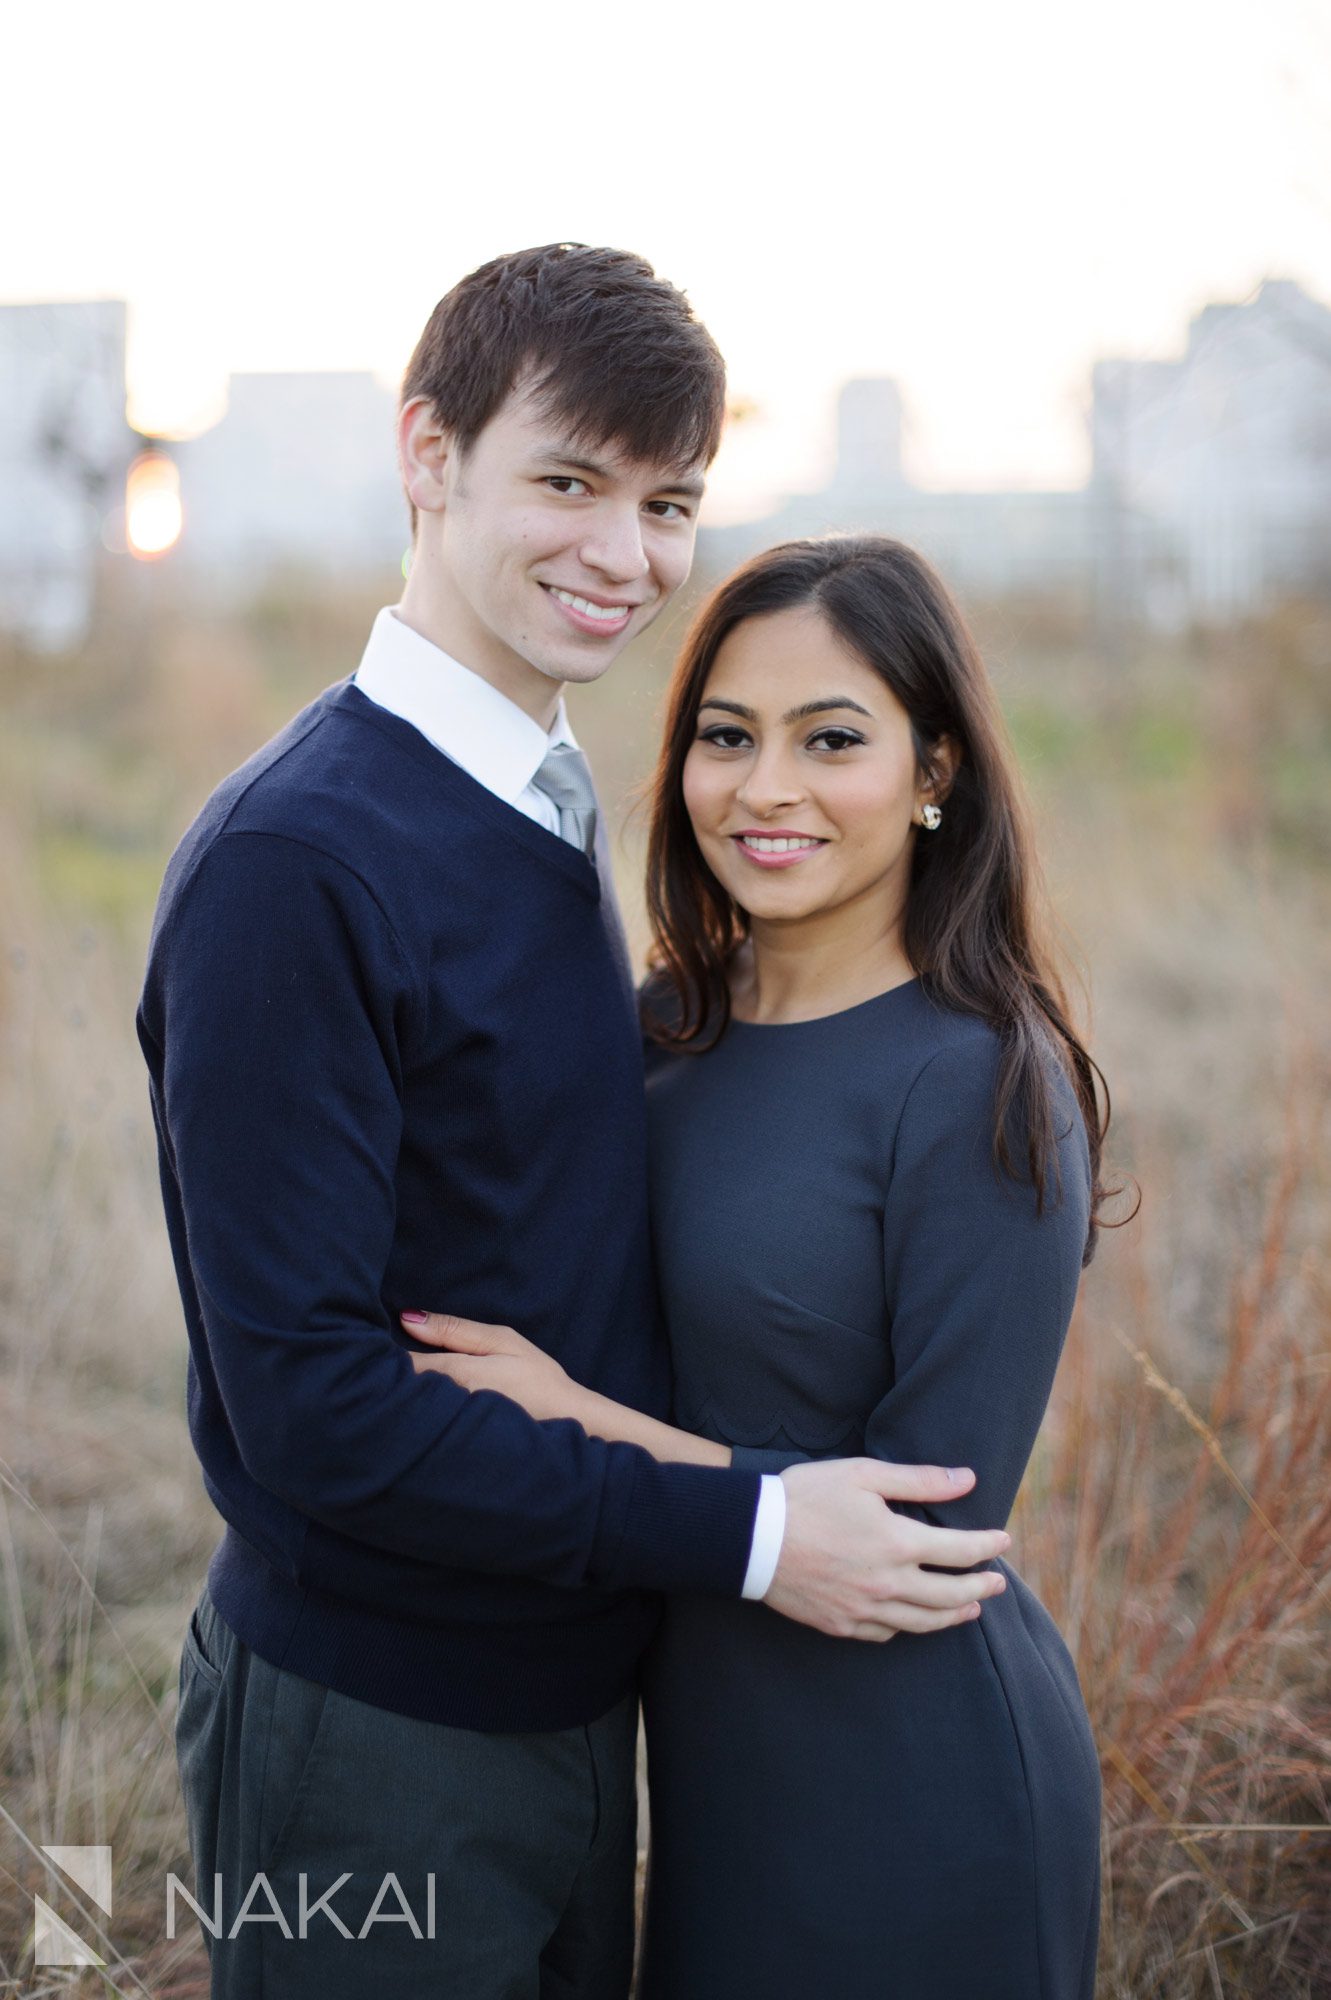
153,513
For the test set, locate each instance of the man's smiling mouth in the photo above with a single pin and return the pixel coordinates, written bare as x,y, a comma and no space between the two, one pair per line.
604,614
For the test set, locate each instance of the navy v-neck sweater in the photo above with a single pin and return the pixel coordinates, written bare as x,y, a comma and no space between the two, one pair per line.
394,1064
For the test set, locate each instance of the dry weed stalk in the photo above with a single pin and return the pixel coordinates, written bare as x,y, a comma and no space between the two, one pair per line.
1183,1542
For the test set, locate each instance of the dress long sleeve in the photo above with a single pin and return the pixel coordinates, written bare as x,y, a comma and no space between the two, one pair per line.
980,1289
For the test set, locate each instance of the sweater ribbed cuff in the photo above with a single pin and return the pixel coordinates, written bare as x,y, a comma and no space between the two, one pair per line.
682,1527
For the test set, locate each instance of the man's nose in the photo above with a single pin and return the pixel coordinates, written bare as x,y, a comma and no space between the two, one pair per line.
613,545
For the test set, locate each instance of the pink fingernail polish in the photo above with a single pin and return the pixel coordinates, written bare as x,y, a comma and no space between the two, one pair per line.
417,1319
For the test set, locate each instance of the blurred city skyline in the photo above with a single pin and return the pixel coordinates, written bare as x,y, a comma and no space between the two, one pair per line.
1208,496
977,203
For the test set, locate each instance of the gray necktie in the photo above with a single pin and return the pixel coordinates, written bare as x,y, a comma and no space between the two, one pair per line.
566,780
564,777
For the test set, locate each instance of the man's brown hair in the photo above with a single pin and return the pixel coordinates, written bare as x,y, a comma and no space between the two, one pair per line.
611,350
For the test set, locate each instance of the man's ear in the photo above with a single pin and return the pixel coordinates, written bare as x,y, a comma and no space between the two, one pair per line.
425,451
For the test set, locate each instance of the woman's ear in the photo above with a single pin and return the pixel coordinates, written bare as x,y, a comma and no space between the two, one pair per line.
944,762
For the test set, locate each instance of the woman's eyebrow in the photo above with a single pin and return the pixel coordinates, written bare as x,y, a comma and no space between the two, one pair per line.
730,707
820,707
793,714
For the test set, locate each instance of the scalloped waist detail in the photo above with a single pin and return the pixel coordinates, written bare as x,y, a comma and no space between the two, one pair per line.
801,1429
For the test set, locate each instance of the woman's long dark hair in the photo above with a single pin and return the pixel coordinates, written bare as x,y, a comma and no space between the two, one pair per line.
976,914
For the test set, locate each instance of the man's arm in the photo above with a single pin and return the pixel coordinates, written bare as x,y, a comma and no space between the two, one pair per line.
277,1007
840,1559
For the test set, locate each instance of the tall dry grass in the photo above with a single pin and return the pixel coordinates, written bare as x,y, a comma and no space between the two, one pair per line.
1177,1518
1180,1532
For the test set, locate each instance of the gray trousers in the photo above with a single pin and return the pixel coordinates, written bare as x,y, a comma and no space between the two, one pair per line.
341,1851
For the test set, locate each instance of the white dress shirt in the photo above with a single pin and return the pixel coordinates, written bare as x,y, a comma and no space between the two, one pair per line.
503,748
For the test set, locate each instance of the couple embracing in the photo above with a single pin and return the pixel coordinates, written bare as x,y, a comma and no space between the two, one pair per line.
553,1346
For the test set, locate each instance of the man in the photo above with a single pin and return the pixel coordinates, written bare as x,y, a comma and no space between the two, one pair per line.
394,1059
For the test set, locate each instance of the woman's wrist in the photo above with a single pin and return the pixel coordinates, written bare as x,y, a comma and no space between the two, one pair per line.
601,1416
589,1410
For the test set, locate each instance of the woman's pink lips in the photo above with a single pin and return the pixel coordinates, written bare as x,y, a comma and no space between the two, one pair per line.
786,860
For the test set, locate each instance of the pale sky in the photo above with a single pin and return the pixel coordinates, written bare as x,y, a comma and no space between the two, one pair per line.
975,198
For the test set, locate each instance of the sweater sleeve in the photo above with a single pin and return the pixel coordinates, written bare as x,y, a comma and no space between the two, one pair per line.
980,1290
276,1011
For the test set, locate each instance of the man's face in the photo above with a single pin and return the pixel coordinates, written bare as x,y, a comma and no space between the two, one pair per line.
545,554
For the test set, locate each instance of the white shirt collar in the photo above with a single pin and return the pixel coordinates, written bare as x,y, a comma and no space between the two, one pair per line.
493,739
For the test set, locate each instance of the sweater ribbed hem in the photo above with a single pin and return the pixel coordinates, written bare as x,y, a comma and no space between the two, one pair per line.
493,1677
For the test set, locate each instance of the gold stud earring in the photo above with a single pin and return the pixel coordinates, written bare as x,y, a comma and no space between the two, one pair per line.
932,817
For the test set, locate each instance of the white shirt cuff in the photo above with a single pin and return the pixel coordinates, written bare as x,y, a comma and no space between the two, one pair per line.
769,1529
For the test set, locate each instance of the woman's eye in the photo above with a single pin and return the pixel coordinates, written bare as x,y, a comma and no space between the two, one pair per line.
725,738
564,482
837,739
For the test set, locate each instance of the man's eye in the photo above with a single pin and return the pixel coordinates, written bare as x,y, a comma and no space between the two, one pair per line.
727,737
678,512
564,482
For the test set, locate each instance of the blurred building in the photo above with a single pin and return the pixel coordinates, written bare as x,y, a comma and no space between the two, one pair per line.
990,544
302,469
1217,465
65,447
1209,494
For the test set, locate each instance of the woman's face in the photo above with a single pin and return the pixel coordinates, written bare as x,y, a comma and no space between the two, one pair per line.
801,779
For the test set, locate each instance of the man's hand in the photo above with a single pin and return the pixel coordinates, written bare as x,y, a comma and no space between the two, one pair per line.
851,1567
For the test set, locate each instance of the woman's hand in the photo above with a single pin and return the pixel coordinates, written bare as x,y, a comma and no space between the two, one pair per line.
478,1356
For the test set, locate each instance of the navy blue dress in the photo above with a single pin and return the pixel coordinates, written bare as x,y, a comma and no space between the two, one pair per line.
844,1273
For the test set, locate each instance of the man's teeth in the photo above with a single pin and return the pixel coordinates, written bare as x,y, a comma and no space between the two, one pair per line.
757,845
589,610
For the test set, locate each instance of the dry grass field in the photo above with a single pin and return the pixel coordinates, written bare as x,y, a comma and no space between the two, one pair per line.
1177,1517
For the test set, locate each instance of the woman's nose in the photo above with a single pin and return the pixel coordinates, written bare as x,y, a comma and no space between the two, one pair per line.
769,784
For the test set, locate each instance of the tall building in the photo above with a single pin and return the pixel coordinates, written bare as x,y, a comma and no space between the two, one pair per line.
868,437
1219,462
301,468
65,447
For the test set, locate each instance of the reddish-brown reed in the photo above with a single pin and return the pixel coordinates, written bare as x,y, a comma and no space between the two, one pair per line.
1181,1536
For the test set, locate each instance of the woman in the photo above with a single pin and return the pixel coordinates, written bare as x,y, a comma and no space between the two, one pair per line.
875,1173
